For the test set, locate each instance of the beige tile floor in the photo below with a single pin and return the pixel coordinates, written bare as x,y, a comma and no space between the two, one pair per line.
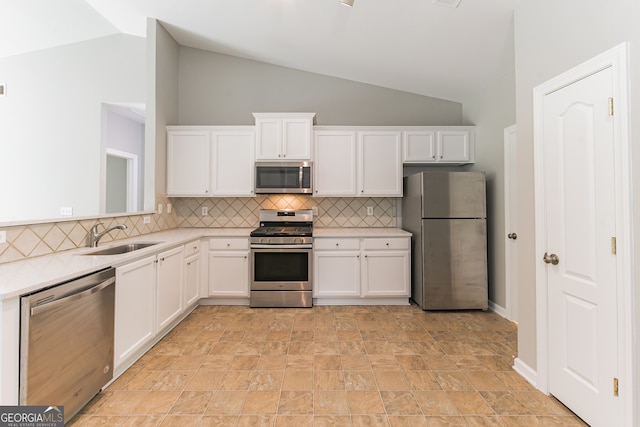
328,366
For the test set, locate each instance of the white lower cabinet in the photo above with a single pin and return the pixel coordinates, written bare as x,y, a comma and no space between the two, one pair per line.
135,308
148,299
229,267
361,268
336,268
169,285
191,293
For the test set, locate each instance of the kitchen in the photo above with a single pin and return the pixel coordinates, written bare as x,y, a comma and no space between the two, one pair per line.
489,122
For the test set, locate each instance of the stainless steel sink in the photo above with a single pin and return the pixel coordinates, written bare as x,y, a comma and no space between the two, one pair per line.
121,249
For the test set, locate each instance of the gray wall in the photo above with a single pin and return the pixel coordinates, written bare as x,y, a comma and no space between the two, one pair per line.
162,94
492,110
550,38
217,89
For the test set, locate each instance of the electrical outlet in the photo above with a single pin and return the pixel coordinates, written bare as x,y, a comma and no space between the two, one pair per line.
205,211
315,210
3,236
168,208
369,210
159,208
146,220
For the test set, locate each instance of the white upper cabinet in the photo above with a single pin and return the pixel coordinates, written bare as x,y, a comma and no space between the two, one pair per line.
335,154
357,162
283,136
419,146
454,146
438,145
232,160
188,169
380,163
210,161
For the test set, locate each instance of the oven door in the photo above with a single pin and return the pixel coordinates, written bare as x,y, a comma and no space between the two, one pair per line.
281,276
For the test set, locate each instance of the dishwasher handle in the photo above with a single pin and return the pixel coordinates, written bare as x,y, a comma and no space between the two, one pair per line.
80,295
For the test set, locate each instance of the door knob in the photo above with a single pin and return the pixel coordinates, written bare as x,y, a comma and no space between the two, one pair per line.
551,259
513,236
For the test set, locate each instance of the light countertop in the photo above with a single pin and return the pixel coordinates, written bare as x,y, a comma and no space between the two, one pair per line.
30,275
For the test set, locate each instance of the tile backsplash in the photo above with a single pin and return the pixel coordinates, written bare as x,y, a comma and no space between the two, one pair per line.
45,238
27,241
244,212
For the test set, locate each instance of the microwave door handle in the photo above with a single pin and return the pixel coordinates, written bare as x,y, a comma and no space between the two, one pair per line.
300,176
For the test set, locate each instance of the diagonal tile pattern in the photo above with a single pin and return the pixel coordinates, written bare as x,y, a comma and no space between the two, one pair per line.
244,212
46,238
328,366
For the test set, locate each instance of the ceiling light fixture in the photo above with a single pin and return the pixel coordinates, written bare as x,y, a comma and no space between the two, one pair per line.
347,2
447,3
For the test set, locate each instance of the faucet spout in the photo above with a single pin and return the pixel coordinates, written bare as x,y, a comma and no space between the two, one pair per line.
95,236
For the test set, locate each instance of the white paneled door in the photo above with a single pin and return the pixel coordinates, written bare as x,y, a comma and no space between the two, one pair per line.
579,193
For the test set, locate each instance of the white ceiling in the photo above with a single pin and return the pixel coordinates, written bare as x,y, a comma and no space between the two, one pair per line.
408,45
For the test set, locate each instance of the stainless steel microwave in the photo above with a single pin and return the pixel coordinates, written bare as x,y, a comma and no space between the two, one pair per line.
284,177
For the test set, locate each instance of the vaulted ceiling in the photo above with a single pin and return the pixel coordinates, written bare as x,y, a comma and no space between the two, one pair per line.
417,46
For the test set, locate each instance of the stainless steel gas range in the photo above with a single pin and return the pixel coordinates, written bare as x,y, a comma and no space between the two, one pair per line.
282,259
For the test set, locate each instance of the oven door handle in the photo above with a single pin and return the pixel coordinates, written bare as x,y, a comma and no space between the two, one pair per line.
307,246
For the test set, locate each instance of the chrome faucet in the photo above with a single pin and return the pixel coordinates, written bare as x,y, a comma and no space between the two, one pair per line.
94,236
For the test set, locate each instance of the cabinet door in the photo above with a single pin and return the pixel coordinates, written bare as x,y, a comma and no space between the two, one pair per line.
380,164
135,308
335,163
336,274
454,146
385,273
233,162
419,146
169,286
191,280
188,169
269,139
229,274
297,139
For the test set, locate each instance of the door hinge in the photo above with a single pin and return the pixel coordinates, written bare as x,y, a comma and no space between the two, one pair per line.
615,387
614,246
611,106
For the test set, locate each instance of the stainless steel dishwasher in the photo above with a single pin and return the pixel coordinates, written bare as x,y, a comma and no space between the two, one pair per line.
66,342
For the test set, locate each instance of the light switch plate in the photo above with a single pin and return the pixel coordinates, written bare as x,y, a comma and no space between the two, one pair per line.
146,219
369,210
3,236
205,211
168,208
159,208
66,211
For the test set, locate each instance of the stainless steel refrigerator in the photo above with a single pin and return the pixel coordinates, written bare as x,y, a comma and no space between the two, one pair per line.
446,212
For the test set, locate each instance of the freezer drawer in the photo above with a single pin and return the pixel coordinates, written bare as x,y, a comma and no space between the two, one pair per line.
454,273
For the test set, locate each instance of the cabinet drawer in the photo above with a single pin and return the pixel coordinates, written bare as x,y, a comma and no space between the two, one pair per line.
336,243
232,243
390,243
192,248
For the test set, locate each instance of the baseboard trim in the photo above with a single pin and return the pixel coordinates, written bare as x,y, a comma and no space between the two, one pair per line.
527,372
498,309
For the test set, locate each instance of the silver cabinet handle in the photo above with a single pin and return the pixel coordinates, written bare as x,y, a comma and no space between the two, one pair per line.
551,259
